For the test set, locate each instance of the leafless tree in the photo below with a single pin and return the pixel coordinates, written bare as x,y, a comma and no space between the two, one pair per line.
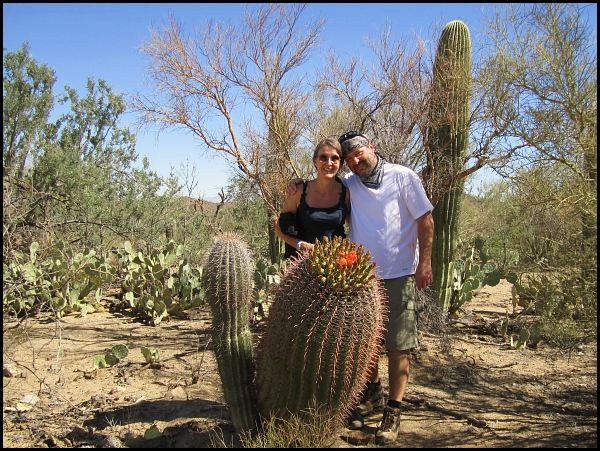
386,98
214,83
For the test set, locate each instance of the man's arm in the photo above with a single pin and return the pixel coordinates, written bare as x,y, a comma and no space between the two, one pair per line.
424,273
293,186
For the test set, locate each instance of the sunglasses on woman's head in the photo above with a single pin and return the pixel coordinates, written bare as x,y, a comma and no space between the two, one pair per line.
325,158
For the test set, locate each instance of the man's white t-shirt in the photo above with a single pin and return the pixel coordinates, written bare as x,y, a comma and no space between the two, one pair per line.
383,220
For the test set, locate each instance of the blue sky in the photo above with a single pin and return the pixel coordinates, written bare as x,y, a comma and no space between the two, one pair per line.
102,41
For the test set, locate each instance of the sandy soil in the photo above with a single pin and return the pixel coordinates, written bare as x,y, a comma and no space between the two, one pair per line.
477,393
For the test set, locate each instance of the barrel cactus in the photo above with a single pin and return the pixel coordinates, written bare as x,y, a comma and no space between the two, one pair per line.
323,329
227,278
446,141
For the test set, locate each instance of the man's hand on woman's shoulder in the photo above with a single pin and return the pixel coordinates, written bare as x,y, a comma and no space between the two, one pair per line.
293,186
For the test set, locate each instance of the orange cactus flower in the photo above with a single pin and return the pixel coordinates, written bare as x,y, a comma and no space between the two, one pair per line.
347,258
351,257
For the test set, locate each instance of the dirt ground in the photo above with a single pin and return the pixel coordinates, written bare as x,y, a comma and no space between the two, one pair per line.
479,393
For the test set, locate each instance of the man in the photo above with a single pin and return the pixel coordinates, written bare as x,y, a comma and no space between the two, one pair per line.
391,217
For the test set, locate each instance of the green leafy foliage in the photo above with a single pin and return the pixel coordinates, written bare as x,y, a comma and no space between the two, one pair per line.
541,249
77,179
566,317
160,283
556,295
27,102
62,282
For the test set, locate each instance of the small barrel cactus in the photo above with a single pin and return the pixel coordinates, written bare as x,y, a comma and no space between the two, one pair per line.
228,275
323,330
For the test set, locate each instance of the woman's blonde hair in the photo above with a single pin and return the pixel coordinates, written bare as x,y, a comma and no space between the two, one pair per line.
329,142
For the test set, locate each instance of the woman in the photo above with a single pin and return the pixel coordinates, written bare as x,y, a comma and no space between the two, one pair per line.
321,208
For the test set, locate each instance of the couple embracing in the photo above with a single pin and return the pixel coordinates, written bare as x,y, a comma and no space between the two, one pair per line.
388,212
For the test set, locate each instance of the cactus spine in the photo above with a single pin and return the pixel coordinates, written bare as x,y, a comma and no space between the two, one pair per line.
446,141
228,278
323,330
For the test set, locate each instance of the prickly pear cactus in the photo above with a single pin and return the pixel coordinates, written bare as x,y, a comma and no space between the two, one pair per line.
228,273
323,329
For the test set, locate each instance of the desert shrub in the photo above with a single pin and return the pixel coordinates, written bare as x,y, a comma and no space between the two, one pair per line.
310,429
63,281
541,224
566,305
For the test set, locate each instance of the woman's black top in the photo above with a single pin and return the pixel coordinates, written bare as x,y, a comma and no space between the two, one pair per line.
310,224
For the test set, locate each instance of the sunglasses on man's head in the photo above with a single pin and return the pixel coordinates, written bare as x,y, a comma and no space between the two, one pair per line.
349,135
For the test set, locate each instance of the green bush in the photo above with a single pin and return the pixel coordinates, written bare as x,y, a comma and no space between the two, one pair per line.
61,283
564,301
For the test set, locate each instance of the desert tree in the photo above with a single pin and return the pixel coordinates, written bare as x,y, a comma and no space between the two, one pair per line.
540,111
384,97
27,102
91,163
236,90
75,180
538,89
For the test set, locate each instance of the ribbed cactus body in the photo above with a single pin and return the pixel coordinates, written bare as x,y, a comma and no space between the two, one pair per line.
228,275
323,329
447,140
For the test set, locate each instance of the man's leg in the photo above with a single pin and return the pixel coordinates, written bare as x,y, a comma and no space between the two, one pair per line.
398,370
371,398
401,338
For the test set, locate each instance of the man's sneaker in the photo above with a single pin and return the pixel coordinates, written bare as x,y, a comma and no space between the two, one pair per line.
388,429
372,399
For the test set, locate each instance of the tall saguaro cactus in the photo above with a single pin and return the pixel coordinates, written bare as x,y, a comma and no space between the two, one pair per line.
446,144
277,172
228,275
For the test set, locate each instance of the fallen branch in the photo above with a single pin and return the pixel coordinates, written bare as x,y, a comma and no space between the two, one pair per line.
502,367
472,340
429,405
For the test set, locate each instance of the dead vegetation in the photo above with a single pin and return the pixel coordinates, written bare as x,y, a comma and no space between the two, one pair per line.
469,389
